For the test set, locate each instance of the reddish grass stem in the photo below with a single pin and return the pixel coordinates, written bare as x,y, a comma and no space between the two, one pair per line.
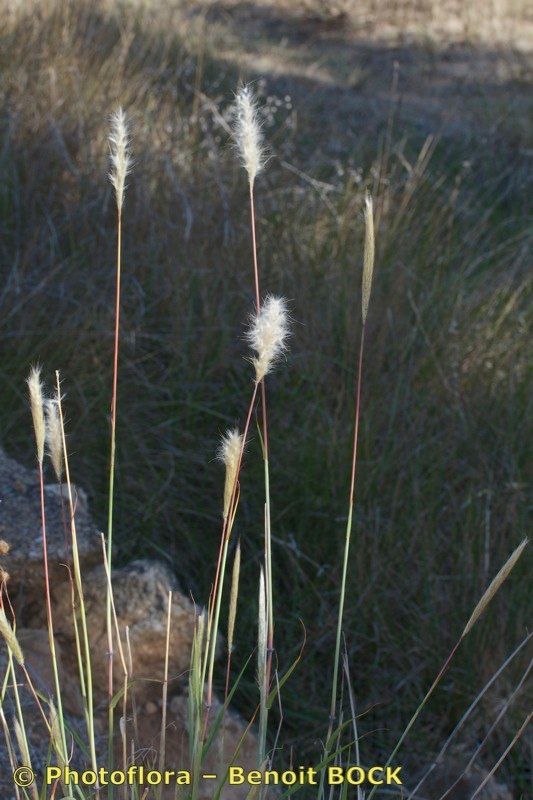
214,604
114,395
51,639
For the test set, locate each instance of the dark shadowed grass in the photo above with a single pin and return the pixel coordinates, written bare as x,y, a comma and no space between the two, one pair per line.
441,487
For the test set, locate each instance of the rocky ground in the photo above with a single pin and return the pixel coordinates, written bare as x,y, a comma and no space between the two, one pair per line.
141,594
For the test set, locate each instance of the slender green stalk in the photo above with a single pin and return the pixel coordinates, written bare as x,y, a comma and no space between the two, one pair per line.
85,668
120,167
22,738
162,739
269,590
262,678
366,288
348,537
50,624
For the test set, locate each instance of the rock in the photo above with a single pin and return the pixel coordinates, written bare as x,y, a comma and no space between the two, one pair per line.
35,647
20,527
235,744
140,592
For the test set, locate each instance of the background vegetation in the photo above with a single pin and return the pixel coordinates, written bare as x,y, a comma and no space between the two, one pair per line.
429,108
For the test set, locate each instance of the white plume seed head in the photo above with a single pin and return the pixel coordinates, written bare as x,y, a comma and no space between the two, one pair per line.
54,437
37,410
120,154
268,333
230,453
247,133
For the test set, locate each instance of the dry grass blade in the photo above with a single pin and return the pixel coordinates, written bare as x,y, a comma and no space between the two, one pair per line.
9,635
234,596
493,587
504,755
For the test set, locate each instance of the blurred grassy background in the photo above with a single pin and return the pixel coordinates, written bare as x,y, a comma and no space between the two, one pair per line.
429,107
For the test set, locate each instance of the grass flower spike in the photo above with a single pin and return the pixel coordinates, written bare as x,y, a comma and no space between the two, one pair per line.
37,410
120,155
267,334
368,259
247,133
229,454
493,587
53,437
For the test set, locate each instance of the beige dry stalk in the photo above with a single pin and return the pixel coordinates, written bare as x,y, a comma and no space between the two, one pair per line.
234,596
368,258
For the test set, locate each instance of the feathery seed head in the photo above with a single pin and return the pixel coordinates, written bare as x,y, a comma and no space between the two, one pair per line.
368,258
268,333
54,436
36,404
230,453
247,133
120,154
